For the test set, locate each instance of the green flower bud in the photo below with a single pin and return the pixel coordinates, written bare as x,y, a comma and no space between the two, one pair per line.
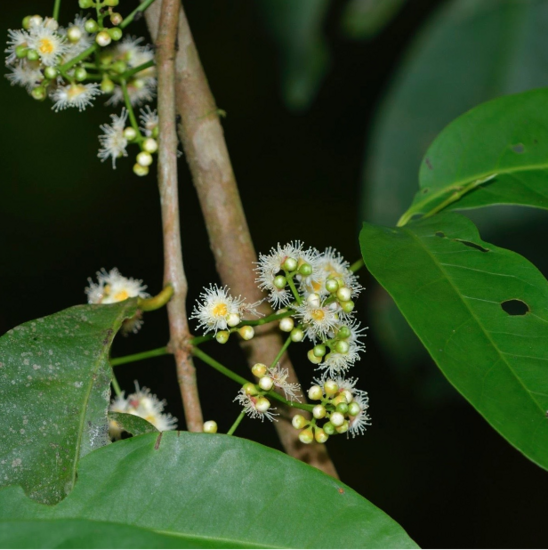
80,74
111,3
140,170
354,409
210,427
250,389
266,383
130,133
342,408
50,73
103,38
319,350
115,33
342,347
344,294
344,332
85,4
107,87
246,332
74,34
119,67
20,52
306,436
305,270
331,286
329,429
116,18
297,335
290,264
299,421
330,387
280,281
312,358
32,55
262,404
286,324
337,419
319,412
39,93
222,336
347,307
26,22
259,370
321,436
91,26
315,393
343,428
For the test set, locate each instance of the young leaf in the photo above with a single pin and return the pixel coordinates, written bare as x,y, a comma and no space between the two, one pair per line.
220,491
54,394
482,313
495,154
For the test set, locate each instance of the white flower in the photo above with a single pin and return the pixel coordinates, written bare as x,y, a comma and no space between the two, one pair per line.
218,310
279,376
16,38
318,319
145,405
256,406
113,142
149,120
78,38
113,287
50,45
75,95
358,424
25,74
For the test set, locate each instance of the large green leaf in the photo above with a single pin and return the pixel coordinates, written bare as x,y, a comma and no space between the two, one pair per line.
297,28
54,395
498,150
482,313
469,52
222,491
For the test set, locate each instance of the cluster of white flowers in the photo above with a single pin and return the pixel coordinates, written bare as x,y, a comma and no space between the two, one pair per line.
255,404
50,61
112,287
143,404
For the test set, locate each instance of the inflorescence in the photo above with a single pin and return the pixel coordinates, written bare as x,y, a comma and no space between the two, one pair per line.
73,65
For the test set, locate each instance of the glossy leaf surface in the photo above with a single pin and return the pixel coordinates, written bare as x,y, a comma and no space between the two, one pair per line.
482,313
54,394
132,424
219,490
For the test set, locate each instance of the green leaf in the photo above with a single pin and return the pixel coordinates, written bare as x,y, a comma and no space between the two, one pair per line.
220,490
54,395
132,424
297,29
455,291
364,19
498,150
469,52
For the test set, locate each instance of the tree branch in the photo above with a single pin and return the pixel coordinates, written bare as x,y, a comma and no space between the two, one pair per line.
207,155
167,182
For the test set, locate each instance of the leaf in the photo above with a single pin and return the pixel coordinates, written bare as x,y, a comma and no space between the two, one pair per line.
499,150
297,30
364,19
54,394
220,490
481,312
132,424
467,53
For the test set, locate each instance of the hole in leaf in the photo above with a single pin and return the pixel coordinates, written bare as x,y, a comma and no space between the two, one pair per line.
472,245
515,307
519,148
440,234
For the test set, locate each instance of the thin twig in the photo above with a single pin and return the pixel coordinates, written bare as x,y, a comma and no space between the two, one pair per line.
167,182
207,155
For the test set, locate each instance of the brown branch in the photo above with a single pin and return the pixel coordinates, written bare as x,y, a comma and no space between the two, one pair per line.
207,155
167,182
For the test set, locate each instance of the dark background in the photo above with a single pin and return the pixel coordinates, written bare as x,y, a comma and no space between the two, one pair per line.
433,464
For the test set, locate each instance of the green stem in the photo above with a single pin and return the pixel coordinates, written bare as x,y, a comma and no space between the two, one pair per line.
139,356
357,265
293,288
129,108
56,8
115,385
128,74
236,423
281,352
156,302
140,8
80,57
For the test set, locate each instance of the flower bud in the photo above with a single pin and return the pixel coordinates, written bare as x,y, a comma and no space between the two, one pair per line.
290,264
306,436
342,347
344,332
35,21
26,22
313,299
103,38
319,350
150,145
111,3
319,412
80,74
280,281
32,55
39,93
107,87
259,370
50,73
247,332
330,387
321,436
329,429
344,294
312,358
140,170
91,26
21,51
145,159
250,389
210,427
85,4
119,67
331,285
222,336
115,33
116,18
315,393
297,335
286,324
354,409
347,307
233,319
347,396
130,133
305,270
266,383
262,404
337,419
343,428
299,421
342,408
74,34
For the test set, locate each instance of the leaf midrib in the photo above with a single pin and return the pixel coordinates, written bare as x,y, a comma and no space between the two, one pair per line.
473,315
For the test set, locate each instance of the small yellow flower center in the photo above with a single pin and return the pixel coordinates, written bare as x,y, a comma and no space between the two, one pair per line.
220,310
318,315
316,286
121,296
75,90
46,46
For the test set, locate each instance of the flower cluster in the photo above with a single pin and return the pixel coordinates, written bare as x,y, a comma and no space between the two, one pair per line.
112,287
73,65
254,403
143,404
342,407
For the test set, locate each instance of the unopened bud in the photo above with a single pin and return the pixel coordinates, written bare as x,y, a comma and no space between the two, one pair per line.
315,393
266,383
321,436
312,358
286,324
313,299
305,270
144,158
354,409
74,34
259,370
210,427
299,421
342,408
290,264
150,145
280,281
329,429
347,307
337,419
331,286
222,336
306,436
262,404
330,387
319,412
342,347
250,389
297,335
115,33
247,332
107,87
116,18
91,26
130,133
344,332
233,319
140,170
343,428
50,73
103,38
319,350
